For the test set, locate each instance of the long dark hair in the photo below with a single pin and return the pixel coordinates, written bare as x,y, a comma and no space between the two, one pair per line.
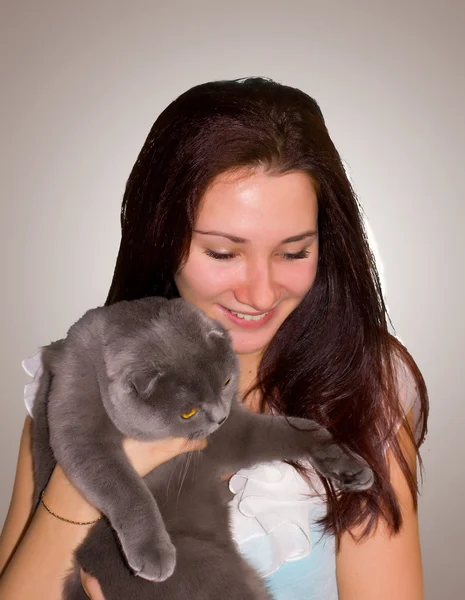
333,359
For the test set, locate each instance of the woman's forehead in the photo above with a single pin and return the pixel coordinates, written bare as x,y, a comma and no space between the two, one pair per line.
243,203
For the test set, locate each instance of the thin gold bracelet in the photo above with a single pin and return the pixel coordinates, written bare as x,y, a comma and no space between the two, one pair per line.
62,518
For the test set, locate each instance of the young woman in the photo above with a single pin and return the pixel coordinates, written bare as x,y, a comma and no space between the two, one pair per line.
239,203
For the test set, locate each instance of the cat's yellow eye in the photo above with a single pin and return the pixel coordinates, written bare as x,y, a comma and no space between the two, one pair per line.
227,381
189,414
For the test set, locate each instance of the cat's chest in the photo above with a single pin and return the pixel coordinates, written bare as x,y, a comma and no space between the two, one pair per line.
182,475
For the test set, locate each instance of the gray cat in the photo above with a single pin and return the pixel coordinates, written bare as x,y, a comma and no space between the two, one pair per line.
151,369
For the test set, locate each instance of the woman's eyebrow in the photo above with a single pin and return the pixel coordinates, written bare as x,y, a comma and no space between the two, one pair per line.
239,240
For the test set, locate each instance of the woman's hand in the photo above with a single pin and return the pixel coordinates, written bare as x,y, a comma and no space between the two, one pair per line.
91,587
144,457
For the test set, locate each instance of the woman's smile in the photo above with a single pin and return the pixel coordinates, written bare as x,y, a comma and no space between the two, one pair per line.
247,320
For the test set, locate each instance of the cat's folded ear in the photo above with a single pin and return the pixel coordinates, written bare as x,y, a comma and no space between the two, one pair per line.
214,328
144,381
124,369
216,333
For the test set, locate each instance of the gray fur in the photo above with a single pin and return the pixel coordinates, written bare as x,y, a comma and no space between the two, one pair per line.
130,370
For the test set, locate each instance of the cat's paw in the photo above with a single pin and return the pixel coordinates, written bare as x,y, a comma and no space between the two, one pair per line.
350,473
154,559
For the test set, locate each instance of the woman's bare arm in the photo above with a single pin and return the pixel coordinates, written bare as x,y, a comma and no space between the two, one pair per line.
21,500
36,550
385,566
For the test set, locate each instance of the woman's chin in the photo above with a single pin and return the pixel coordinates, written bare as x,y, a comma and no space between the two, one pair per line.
242,346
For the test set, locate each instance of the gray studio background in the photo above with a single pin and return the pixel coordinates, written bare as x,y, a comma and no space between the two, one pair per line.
82,84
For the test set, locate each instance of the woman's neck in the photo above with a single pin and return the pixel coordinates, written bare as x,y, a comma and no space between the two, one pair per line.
248,364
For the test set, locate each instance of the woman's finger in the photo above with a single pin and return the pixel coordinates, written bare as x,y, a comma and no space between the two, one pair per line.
91,587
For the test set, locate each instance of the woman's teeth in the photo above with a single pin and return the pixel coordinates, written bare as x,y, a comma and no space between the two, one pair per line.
249,317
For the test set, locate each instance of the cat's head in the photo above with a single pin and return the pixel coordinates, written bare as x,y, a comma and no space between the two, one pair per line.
172,376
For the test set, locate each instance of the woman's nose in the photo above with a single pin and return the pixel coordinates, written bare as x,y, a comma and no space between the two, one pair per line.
259,291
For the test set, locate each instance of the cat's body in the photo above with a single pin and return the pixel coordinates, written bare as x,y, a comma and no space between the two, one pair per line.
152,369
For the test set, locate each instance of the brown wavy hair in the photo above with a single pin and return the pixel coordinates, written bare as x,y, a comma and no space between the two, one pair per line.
332,359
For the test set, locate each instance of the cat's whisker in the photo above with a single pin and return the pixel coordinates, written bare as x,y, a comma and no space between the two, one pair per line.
171,472
188,460
196,460
180,469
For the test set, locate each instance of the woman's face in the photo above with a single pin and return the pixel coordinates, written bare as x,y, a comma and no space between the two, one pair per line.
254,251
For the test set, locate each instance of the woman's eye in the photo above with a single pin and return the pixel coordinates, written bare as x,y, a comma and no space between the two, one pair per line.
227,381
285,255
219,256
189,414
297,255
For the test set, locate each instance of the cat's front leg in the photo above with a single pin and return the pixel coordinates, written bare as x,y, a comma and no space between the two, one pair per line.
106,478
248,438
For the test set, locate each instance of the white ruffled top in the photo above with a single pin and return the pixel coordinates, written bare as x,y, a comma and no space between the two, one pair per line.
33,367
271,514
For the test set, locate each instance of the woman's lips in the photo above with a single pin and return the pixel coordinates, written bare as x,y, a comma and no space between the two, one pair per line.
247,324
